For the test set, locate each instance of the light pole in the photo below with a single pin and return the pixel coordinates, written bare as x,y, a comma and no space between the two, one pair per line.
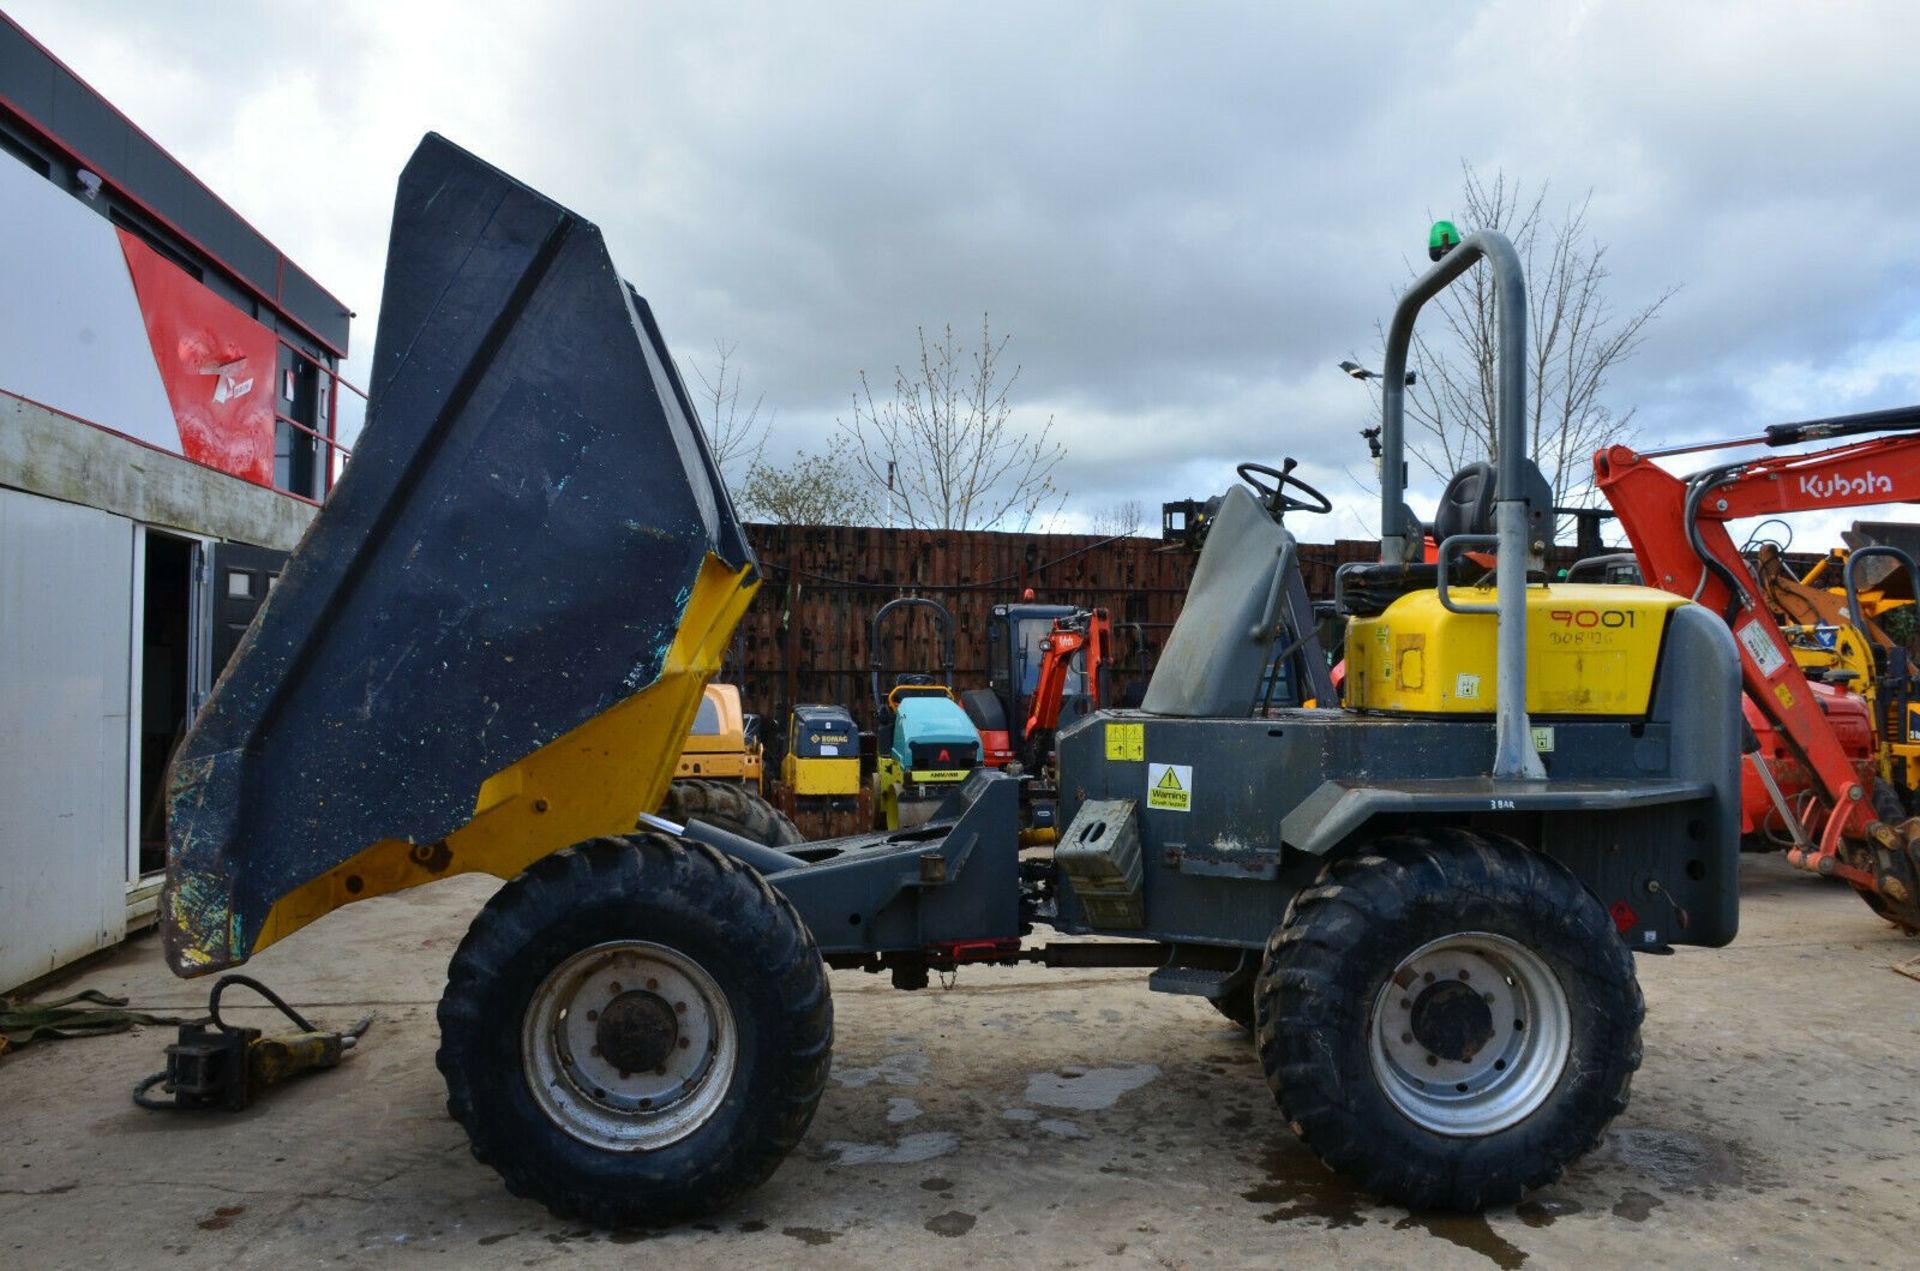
1372,435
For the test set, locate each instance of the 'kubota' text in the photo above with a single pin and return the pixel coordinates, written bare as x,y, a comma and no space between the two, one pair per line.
1828,487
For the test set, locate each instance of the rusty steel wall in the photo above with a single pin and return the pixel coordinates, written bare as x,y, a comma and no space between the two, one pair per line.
805,639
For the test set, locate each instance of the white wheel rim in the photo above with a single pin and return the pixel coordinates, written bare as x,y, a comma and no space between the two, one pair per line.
1470,1034
629,1046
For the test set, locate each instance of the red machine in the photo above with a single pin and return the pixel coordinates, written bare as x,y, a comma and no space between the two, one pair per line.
1678,528
1768,815
1087,637
1045,663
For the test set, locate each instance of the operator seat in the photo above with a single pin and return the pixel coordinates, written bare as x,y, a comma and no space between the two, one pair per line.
1466,507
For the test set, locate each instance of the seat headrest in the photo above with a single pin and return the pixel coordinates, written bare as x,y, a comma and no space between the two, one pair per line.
1466,505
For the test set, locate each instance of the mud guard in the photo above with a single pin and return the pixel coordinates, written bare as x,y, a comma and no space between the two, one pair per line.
531,557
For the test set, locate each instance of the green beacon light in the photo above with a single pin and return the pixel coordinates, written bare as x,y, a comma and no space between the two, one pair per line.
1441,239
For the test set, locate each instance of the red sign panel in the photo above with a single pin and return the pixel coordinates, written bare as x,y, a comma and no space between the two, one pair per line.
217,363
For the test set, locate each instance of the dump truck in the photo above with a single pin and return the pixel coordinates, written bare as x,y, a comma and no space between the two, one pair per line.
485,654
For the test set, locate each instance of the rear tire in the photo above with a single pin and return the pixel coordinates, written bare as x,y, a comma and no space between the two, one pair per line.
642,1102
1448,1020
732,807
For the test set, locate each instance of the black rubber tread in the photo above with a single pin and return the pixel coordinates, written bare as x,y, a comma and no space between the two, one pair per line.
1336,946
730,806
1888,807
1887,804
694,899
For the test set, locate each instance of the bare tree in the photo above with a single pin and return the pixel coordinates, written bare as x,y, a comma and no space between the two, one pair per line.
1575,335
817,489
1119,519
734,433
944,451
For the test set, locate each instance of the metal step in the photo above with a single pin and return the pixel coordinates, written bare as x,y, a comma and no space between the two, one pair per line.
1196,981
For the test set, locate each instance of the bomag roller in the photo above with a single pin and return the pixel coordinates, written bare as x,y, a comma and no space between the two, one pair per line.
486,652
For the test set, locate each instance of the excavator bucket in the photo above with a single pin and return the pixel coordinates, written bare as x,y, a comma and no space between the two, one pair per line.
493,638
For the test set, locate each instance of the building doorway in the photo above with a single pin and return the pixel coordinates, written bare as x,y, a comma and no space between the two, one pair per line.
169,652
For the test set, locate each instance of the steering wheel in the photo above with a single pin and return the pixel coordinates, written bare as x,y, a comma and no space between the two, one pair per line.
1275,495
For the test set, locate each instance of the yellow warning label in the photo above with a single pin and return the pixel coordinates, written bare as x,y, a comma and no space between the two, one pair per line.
1127,742
1170,787
930,776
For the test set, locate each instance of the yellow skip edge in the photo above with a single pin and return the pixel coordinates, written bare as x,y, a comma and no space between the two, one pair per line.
592,781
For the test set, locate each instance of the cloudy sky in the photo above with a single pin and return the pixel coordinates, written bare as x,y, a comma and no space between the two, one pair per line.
1185,215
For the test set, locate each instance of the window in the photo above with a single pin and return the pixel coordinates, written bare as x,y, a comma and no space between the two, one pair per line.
296,447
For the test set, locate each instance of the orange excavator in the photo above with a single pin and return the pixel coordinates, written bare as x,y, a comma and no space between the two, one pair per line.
1853,825
1046,665
1078,642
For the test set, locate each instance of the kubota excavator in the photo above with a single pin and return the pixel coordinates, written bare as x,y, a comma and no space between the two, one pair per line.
1775,787
1047,665
1855,826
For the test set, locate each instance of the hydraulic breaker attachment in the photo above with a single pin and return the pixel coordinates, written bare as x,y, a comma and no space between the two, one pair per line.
492,640
215,1064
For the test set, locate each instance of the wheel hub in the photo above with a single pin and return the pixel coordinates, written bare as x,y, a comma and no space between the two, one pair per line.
1451,1020
629,1045
1470,1034
637,1030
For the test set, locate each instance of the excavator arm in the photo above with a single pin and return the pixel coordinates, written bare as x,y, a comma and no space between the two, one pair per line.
1088,632
1797,601
1678,529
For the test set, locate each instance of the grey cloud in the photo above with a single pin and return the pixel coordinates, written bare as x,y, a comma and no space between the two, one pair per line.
1184,215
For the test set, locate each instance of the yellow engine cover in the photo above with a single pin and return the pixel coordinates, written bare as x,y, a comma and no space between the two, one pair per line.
1591,650
822,776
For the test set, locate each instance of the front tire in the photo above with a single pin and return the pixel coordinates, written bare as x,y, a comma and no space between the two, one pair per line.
635,1031
1448,1020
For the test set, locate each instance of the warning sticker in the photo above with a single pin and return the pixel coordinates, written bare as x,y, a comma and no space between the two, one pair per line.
1543,740
1760,646
1127,741
1170,787
1466,686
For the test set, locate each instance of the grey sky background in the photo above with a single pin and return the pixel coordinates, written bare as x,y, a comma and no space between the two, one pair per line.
1184,215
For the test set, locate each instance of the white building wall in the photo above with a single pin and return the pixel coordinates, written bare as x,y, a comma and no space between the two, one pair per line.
66,655
71,332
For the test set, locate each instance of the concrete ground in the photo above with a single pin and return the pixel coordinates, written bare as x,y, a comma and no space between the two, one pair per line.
1024,1118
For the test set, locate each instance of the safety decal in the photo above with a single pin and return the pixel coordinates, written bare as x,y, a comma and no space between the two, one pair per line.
1466,687
1170,787
1543,740
1760,647
1127,742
